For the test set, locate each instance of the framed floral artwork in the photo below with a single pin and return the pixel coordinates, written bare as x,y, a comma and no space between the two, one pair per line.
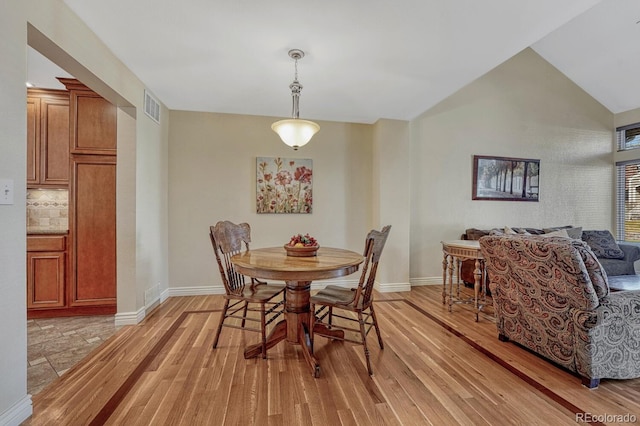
284,185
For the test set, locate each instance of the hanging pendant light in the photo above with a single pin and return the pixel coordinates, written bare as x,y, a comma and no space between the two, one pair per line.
295,132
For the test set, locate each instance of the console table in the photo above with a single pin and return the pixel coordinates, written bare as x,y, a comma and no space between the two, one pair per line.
455,251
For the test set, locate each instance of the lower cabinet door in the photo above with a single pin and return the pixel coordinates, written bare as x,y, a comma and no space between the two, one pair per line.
45,279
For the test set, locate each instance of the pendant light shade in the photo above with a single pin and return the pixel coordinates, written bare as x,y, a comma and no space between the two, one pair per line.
295,132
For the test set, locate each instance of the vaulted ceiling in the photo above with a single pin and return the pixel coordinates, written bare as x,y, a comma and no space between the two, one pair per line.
364,60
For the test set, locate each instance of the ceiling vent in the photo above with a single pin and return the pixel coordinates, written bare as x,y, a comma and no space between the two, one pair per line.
151,107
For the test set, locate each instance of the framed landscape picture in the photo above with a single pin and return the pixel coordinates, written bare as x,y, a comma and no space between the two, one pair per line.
505,178
284,185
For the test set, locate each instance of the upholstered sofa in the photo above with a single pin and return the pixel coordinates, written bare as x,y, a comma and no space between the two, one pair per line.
551,295
616,258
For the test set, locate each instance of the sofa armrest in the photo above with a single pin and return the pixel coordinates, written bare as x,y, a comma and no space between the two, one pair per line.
609,346
625,304
621,308
631,252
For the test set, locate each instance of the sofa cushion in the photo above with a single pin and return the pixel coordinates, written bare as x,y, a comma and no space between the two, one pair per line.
557,233
509,231
603,244
572,232
475,234
515,231
596,271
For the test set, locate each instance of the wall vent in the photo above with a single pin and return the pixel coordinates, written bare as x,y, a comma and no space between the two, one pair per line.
151,107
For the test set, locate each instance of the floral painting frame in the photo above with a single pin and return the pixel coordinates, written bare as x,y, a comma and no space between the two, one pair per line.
284,185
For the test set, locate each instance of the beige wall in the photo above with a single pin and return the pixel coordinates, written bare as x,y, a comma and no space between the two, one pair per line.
523,108
212,171
14,402
142,219
152,205
51,28
392,200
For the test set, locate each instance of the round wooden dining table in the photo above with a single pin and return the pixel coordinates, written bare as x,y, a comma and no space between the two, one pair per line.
297,272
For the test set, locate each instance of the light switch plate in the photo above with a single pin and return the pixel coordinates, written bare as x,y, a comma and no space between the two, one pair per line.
6,191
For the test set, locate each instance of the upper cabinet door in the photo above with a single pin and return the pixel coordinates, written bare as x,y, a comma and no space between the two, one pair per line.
55,141
93,124
47,138
33,140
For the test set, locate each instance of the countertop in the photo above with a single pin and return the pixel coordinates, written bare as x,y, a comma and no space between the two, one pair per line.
41,231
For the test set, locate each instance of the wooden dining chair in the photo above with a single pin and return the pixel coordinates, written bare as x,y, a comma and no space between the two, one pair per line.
358,300
241,296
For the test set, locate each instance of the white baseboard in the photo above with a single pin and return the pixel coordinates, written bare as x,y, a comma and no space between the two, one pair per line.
392,287
194,291
18,412
426,281
130,318
133,318
207,290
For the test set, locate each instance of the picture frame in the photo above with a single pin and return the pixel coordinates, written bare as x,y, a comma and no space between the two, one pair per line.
505,178
284,185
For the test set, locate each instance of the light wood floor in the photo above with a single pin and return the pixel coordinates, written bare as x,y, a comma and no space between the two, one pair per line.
437,368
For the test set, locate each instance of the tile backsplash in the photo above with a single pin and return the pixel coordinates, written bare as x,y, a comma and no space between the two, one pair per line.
47,210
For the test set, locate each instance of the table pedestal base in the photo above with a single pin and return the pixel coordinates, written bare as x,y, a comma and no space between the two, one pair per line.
278,333
295,328
272,263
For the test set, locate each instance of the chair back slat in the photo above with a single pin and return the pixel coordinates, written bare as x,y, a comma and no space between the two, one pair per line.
373,250
227,239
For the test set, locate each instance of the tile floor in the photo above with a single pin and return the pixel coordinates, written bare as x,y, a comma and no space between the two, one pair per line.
56,344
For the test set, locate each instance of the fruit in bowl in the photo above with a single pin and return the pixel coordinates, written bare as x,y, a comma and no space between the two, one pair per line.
300,240
302,246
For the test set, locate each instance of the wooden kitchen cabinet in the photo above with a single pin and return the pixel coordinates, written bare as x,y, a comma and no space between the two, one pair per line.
46,271
92,222
33,141
93,120
92,200
82,279
47,138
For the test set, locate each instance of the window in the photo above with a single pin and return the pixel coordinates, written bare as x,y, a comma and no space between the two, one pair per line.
628,137
628,183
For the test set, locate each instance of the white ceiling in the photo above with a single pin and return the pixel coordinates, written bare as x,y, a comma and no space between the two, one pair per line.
600,51
366,59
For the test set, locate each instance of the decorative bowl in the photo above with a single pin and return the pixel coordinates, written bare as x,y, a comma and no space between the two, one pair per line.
304,251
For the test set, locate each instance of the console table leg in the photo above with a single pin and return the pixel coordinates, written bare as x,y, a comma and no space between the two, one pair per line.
458,272
477,274
444,278
450,266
